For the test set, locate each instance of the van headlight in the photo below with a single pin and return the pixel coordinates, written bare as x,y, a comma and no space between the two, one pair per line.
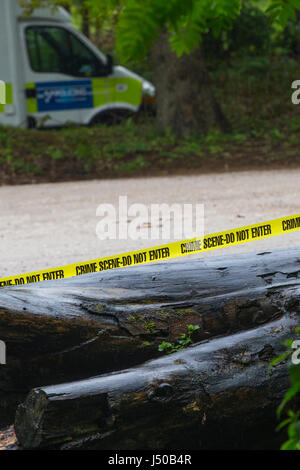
148,91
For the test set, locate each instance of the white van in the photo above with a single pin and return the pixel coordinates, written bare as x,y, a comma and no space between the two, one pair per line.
54,75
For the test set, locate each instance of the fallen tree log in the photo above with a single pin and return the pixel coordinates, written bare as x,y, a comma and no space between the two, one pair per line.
216,394
70,329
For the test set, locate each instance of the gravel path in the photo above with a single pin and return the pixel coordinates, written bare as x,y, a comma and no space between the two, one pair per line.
49,225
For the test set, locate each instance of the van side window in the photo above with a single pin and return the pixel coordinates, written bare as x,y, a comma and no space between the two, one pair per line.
54,49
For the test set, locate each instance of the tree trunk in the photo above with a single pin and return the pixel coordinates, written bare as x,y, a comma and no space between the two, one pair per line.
217,394
295,32
70,329
185,101
85,20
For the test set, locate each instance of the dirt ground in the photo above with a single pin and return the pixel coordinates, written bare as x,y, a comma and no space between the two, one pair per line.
49,225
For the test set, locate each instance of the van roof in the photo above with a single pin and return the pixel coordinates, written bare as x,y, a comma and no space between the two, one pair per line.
50,14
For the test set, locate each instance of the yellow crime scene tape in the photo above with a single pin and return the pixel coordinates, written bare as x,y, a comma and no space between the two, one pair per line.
176,249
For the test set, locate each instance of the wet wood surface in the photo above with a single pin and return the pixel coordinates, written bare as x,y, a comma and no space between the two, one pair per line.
71,329
216,394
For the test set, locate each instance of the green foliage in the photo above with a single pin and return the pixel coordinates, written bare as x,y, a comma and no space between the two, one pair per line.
250,35
282,10
140,21
292,422
56,154
183,341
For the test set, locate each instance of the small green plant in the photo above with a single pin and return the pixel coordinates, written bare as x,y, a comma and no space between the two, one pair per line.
276,134
54,153
183,341
292,421
136,164
132,318
149,326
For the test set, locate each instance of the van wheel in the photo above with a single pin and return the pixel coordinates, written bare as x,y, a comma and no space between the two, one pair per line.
112,118
31,122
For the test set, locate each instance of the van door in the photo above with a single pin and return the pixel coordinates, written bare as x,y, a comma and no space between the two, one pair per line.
59,69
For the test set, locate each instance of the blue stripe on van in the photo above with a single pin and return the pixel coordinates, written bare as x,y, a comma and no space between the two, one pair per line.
64,95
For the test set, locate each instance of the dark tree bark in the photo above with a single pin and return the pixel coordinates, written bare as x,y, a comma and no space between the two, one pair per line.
71,329
217,394
185,100
85,19
295,34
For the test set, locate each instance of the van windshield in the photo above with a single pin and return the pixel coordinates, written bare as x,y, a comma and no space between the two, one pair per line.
54,49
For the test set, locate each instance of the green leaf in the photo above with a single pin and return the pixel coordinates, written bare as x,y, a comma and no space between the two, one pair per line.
295,3
193,327
283,424
294,370
294,430
279,359
164,346
287,397
291,444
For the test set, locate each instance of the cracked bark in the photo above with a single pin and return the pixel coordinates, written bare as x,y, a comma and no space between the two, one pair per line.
216,394
68,330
